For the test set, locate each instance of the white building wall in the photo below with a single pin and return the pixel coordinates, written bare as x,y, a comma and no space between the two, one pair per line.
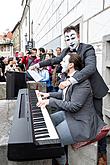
50,17
24,29
99,26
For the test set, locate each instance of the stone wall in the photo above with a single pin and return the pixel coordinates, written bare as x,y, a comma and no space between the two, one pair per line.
84,156
41,86
2,90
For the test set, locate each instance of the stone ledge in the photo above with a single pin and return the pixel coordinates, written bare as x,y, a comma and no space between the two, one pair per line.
87,155
2,90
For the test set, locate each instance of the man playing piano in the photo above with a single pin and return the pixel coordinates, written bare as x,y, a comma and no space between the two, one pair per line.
76,119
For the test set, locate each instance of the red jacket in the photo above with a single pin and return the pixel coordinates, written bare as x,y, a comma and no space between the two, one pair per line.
29,60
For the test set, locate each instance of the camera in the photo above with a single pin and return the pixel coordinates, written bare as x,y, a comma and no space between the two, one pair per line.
29,52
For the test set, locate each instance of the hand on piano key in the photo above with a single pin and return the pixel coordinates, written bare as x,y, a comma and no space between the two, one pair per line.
43,103
42,94
49,125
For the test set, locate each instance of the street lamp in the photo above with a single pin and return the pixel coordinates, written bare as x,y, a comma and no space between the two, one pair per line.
25,38
29,19
29,44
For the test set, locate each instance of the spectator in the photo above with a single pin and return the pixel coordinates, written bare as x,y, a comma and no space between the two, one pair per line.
44,73
2,68
50,53
58,51
30,58
12,65
19,61
56,75
42,54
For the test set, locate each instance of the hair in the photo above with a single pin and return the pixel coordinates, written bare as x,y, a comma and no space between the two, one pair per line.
10,59
69,28
42,50
49,50
58,48
76,59
34,49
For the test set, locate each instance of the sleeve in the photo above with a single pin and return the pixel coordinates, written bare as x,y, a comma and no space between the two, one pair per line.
89,65
57,95
78,98
55,60
24,60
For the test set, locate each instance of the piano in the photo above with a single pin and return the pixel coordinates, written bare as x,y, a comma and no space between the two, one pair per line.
32,135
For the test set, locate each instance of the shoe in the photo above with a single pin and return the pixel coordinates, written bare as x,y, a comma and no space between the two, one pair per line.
102,159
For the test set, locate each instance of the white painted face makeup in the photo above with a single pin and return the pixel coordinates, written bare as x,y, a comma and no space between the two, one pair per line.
64,63
71,39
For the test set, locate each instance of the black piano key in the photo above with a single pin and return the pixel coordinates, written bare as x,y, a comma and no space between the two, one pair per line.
37,115
39,125
38,119
33,107
44,131
39,137
35,110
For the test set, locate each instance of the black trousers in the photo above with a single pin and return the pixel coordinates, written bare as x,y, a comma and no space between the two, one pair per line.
102,144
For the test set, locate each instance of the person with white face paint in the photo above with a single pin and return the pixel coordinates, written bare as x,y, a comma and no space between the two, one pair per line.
64,63
72,39
89,71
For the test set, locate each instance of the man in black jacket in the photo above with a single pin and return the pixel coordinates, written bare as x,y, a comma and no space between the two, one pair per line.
89,71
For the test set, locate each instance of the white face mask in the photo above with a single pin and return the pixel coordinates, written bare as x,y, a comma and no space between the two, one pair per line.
65,63
71,39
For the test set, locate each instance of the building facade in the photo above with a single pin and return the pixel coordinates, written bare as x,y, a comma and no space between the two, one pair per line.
16,38
44,21
6,45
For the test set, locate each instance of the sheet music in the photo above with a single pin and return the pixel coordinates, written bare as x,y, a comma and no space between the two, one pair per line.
35,75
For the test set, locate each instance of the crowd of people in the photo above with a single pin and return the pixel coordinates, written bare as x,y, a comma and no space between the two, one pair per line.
21,63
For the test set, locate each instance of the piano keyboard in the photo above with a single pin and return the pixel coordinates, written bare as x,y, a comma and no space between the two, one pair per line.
43,129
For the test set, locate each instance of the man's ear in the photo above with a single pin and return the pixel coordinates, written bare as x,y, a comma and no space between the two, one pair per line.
78,35
71,65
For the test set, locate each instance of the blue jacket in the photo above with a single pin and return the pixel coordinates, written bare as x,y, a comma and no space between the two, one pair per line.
45,76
